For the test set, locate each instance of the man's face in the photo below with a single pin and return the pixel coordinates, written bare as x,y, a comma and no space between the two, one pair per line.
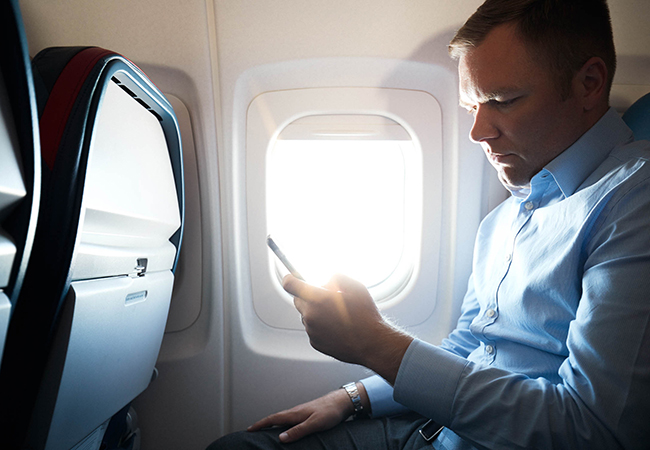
520,119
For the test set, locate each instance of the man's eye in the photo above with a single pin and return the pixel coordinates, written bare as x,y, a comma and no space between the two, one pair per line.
503,103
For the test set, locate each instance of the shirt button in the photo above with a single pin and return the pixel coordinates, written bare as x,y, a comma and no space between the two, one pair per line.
489,349
490,313
529,206
508,257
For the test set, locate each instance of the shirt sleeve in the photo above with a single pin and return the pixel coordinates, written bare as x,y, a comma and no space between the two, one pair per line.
603,398
460,342
380,394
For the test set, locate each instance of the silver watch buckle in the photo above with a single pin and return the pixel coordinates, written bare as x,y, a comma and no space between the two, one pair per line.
430,430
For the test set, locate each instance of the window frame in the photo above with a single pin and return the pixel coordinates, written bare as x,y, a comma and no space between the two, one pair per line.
419,114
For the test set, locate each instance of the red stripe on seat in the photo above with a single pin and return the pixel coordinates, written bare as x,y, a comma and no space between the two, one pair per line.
62,98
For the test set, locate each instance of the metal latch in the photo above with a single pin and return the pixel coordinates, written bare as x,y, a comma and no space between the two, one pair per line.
141,267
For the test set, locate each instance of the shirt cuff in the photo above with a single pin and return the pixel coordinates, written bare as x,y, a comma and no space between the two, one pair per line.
427,380
380,394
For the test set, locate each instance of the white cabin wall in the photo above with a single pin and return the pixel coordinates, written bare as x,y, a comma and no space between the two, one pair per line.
261,34
197,50
632,39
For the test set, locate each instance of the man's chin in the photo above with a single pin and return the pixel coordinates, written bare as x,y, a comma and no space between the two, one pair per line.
513,185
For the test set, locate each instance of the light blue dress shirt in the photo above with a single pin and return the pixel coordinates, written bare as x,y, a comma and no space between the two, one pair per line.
552,349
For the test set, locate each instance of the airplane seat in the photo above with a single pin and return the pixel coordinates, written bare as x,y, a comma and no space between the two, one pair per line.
19,161
89,323
637,117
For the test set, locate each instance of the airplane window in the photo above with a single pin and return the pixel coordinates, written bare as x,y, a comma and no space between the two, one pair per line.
338,195
336,176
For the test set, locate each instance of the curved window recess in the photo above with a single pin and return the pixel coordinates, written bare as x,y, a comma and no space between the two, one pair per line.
186,298
369,148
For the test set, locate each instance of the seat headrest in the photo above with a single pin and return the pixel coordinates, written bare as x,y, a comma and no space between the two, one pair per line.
61,74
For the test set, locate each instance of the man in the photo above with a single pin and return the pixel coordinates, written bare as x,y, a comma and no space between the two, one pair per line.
552,349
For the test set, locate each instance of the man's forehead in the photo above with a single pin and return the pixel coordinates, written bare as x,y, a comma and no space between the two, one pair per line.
498,67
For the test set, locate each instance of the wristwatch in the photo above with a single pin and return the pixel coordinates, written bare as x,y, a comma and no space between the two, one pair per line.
353,393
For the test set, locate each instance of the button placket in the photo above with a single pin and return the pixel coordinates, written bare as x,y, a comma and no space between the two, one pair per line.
490,352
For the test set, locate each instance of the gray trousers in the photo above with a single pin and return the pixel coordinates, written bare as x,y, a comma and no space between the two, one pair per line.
387,433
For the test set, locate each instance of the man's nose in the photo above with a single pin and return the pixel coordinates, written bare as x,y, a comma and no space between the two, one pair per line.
484,127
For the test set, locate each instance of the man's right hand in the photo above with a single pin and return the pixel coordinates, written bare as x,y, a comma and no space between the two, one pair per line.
312,417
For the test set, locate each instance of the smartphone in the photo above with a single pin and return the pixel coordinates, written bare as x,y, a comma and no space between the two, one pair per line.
283,259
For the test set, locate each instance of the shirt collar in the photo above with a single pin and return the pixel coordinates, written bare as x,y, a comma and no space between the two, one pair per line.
519,192
571,167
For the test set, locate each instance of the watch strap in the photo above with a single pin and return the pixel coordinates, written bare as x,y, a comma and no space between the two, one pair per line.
353,393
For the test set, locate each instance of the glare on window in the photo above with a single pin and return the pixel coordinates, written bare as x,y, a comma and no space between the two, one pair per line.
339,204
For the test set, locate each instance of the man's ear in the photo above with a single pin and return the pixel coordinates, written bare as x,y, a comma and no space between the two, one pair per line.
591,82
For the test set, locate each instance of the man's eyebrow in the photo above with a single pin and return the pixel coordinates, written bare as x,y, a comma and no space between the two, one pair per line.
489,96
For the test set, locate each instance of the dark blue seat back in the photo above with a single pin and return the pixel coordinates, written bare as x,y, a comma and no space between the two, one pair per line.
637,118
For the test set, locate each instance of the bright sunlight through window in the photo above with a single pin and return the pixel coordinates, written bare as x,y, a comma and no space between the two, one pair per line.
338,197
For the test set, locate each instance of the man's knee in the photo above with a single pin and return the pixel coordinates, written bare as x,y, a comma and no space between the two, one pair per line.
229,441
244,440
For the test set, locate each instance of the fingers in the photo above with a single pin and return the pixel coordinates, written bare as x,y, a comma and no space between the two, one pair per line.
283,418
344,283
315,416
299,288
338,283
302,425
303,292
266,422
298,432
